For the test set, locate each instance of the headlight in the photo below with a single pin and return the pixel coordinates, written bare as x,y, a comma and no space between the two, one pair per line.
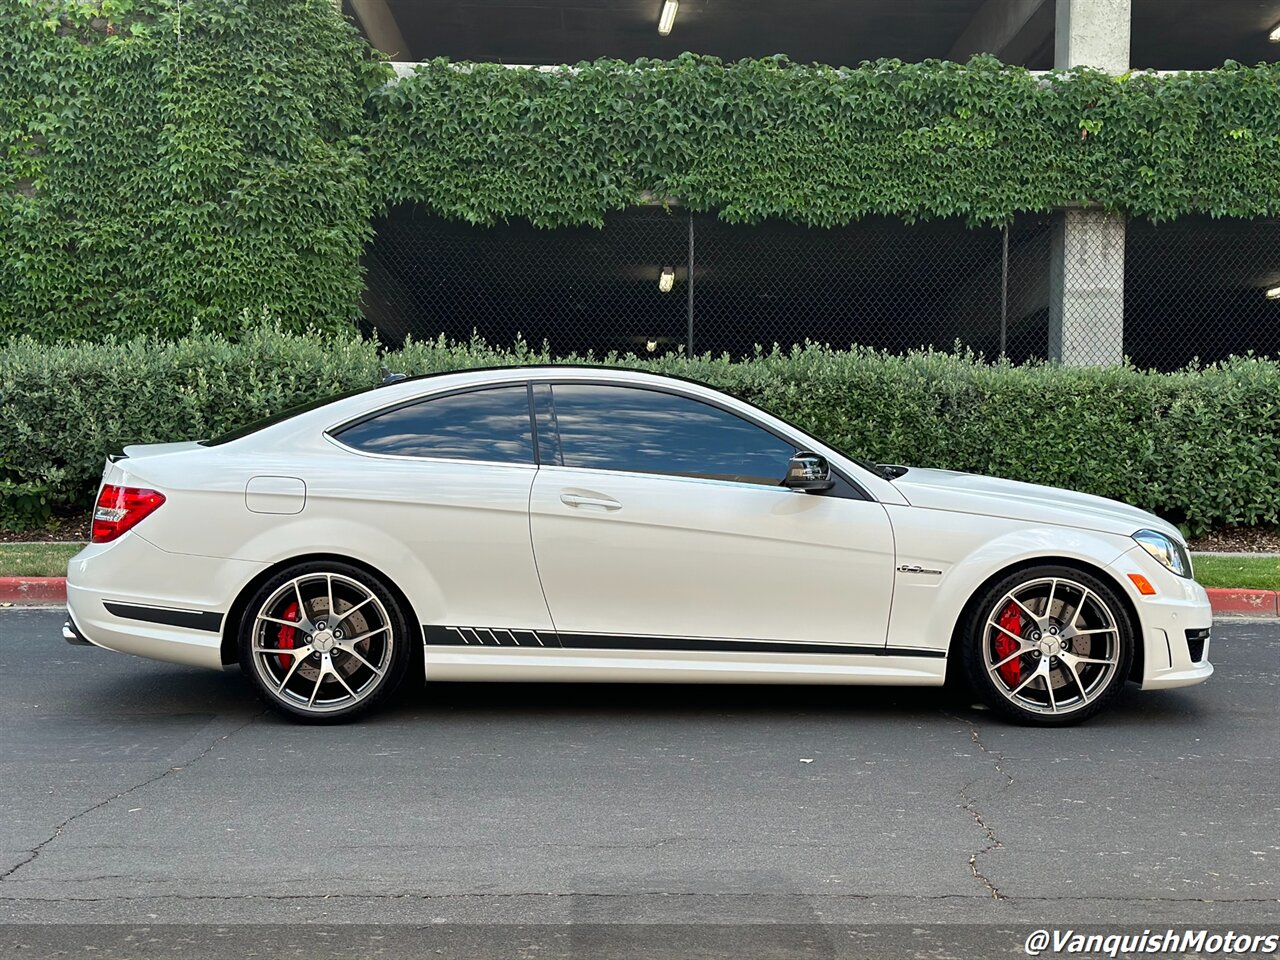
1167,550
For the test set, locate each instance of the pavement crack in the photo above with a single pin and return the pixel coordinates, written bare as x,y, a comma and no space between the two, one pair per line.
970,805
35,851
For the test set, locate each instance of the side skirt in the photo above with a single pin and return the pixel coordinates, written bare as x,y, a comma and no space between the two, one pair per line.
466,653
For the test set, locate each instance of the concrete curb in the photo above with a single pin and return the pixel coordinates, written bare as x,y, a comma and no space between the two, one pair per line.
30,591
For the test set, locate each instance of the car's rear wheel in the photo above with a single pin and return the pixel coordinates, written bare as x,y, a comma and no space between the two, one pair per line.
1048,646
324,642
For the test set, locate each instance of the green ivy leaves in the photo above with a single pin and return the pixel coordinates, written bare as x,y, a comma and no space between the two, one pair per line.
825,146
166,165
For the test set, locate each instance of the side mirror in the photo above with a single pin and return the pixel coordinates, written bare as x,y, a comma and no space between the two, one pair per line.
808,472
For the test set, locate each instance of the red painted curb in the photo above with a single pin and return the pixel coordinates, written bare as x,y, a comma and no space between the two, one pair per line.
1248,603
33,590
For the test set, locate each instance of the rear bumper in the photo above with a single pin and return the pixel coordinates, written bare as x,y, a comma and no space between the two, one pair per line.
71,633
132,597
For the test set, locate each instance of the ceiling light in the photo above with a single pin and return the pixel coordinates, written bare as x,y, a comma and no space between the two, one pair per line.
1273,293
670,7
1273,36
667,279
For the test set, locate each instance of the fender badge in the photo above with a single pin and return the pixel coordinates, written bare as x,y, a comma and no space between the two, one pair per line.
916,568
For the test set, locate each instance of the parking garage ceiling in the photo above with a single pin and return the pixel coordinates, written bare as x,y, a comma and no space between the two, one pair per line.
1167,34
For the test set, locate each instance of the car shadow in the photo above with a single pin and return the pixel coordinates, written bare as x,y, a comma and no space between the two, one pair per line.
165,690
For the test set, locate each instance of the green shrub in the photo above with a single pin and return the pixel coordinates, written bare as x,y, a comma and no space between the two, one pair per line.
1201,447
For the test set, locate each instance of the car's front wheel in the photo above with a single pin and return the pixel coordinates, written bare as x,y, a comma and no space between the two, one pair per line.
1048,645
324,642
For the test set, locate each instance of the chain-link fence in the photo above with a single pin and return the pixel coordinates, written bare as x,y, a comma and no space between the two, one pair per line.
1079,287
1201,289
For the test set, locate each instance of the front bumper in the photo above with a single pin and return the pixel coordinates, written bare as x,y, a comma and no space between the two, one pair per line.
1175,620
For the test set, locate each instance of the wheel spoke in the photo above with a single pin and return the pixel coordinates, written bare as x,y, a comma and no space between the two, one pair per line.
1025,609
352,651
349,611
1076,659
1084,596
337,675
366,636
303,652
1013,656
1007,633
1048,604
311,701
329,579
283,623
297,662
1038,672
1048,685
1089,633
303,619
1084,697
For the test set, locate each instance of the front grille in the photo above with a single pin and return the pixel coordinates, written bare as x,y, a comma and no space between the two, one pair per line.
1196,640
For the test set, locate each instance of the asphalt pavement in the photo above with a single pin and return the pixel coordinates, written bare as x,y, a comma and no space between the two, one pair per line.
143,793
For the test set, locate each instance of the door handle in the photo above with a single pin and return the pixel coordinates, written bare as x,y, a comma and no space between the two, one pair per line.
574,500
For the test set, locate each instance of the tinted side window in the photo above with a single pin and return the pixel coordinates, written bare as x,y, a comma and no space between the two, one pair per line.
646,431
488,424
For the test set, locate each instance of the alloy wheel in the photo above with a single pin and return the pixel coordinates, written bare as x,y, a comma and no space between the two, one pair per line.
1051,646
322,643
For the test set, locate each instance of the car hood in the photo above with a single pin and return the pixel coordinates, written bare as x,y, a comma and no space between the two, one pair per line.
994,497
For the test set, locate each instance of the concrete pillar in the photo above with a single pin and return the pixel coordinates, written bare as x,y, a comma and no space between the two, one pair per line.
1092,33
1086,288
1086,260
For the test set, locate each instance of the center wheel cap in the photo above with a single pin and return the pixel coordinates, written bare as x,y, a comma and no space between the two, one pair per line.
322,640
1048,647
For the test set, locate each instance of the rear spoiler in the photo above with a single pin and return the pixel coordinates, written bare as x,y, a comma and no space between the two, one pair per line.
117,456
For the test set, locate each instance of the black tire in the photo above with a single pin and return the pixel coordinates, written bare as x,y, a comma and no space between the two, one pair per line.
354,663
1073,653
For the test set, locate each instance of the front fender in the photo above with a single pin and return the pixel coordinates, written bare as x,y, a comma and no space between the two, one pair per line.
957,553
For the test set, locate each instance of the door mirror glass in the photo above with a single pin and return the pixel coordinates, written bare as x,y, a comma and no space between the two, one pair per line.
809,472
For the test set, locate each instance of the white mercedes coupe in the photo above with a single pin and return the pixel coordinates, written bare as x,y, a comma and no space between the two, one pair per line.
575,523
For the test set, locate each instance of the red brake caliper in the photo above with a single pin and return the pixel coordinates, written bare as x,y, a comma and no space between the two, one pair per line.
287,635
1011,620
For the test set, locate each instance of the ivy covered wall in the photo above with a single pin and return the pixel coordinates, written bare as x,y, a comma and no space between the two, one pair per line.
822,146
166,165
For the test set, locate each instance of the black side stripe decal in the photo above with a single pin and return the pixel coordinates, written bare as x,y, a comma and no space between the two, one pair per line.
502,637
487,637
190,619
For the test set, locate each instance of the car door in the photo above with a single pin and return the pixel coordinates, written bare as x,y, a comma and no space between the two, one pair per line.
658,521
449,478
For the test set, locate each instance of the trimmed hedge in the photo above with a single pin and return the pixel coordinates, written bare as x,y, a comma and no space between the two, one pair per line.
1201,447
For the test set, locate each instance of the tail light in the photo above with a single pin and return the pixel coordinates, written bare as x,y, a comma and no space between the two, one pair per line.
120,509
